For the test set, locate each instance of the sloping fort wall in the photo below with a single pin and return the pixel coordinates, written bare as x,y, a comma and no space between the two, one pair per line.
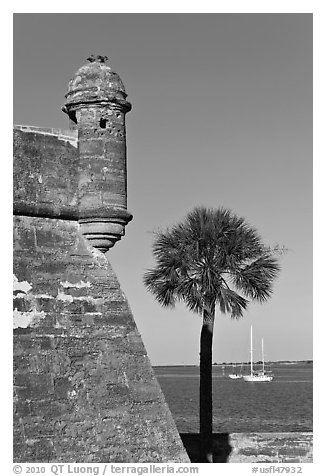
84,389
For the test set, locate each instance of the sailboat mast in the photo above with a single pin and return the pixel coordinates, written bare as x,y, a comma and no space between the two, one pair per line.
251,356
262,353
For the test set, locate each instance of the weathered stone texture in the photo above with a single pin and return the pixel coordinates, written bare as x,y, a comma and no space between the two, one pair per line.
84,389
45,176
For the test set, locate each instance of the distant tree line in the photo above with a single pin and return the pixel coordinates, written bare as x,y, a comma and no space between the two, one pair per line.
268,361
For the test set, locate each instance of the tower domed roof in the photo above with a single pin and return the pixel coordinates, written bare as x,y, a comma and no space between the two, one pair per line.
95,82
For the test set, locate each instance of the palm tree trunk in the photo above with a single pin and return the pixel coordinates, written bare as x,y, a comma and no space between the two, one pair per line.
205,400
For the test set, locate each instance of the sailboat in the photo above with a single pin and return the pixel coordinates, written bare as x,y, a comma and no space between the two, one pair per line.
235,375
261,375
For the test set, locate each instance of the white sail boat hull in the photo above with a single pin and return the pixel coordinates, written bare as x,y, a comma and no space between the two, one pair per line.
258,378
235,376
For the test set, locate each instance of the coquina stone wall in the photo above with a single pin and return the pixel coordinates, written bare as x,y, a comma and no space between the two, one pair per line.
84,389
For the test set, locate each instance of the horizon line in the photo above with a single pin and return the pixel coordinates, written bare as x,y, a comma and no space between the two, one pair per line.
234,363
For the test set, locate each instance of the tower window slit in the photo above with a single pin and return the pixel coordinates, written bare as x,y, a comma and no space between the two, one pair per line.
103,123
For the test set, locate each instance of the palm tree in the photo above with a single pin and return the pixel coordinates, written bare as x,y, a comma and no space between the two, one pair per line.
207,261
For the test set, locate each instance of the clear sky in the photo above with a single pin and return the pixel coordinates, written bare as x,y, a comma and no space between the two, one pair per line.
222,116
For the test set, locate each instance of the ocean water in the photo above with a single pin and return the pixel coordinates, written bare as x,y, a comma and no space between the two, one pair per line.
283,405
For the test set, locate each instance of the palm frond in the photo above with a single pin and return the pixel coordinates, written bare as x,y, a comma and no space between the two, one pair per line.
231,303
256,279
162,286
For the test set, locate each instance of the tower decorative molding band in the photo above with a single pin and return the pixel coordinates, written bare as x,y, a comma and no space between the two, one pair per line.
96,104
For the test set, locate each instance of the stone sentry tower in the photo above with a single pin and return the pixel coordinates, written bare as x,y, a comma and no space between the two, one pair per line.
84,389
96,103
